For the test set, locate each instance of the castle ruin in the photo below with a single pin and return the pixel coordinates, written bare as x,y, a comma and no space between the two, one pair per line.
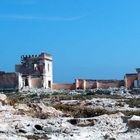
35,71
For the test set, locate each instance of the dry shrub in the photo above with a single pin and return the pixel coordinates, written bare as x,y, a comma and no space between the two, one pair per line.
12,102
131,113
134,103
81,112
36,137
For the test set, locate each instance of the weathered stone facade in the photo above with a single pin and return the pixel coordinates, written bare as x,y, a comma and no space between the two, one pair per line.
138,74
130,80
57,86
92,84
34,72
9,81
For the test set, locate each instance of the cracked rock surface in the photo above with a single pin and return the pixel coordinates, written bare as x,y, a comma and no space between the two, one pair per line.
23,121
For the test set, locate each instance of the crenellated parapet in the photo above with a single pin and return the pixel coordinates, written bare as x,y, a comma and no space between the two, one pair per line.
29,56
26,58
39,67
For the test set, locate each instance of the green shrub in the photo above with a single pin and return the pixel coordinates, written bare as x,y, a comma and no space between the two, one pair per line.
33,95
44,95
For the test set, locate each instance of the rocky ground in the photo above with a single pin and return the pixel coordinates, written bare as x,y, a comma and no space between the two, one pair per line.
69,117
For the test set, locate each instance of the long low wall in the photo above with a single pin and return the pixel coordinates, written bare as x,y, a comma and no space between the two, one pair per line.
110,83
57,86
14,81
92,84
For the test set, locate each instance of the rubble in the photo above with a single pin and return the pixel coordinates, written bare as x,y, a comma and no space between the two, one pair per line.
3,97
134,122
19,121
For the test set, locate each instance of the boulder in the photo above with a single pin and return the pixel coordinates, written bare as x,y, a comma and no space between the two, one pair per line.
134,122
3,97
49,110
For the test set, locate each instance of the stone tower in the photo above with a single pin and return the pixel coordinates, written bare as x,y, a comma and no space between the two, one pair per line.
47,75
36,71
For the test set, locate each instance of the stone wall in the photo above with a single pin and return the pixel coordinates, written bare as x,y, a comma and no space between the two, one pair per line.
85,84
130,79
92,84
36,83
9,81
63,86
109,83
79,83
37,66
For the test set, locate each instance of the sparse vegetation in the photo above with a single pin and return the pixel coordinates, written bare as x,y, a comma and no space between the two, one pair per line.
36,137
82,112
83,107
75,110
12,101
33,95
133,103
131,113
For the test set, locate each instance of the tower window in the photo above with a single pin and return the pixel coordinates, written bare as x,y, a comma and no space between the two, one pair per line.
48,67
35,67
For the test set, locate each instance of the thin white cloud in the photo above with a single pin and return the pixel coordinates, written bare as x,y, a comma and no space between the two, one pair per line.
41,18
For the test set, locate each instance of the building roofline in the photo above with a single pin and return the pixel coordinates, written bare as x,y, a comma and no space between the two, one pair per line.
131,74
99,80
138,69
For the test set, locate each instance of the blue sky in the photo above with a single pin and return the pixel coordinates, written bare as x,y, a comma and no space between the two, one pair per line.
93,39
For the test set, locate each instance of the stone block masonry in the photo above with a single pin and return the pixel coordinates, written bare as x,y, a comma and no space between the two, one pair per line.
34,71
9,81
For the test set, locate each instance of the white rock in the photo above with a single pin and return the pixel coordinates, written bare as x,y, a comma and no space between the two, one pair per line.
22,107
3,97
49,110
135,118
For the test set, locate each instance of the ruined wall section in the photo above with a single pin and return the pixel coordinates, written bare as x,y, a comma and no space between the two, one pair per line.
30,65
36,82
9,81
85,84
57,86
92,84
105,84
36,70
130,79
138,71
79,83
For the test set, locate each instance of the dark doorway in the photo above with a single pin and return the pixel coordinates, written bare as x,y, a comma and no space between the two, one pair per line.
26,82
49,84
